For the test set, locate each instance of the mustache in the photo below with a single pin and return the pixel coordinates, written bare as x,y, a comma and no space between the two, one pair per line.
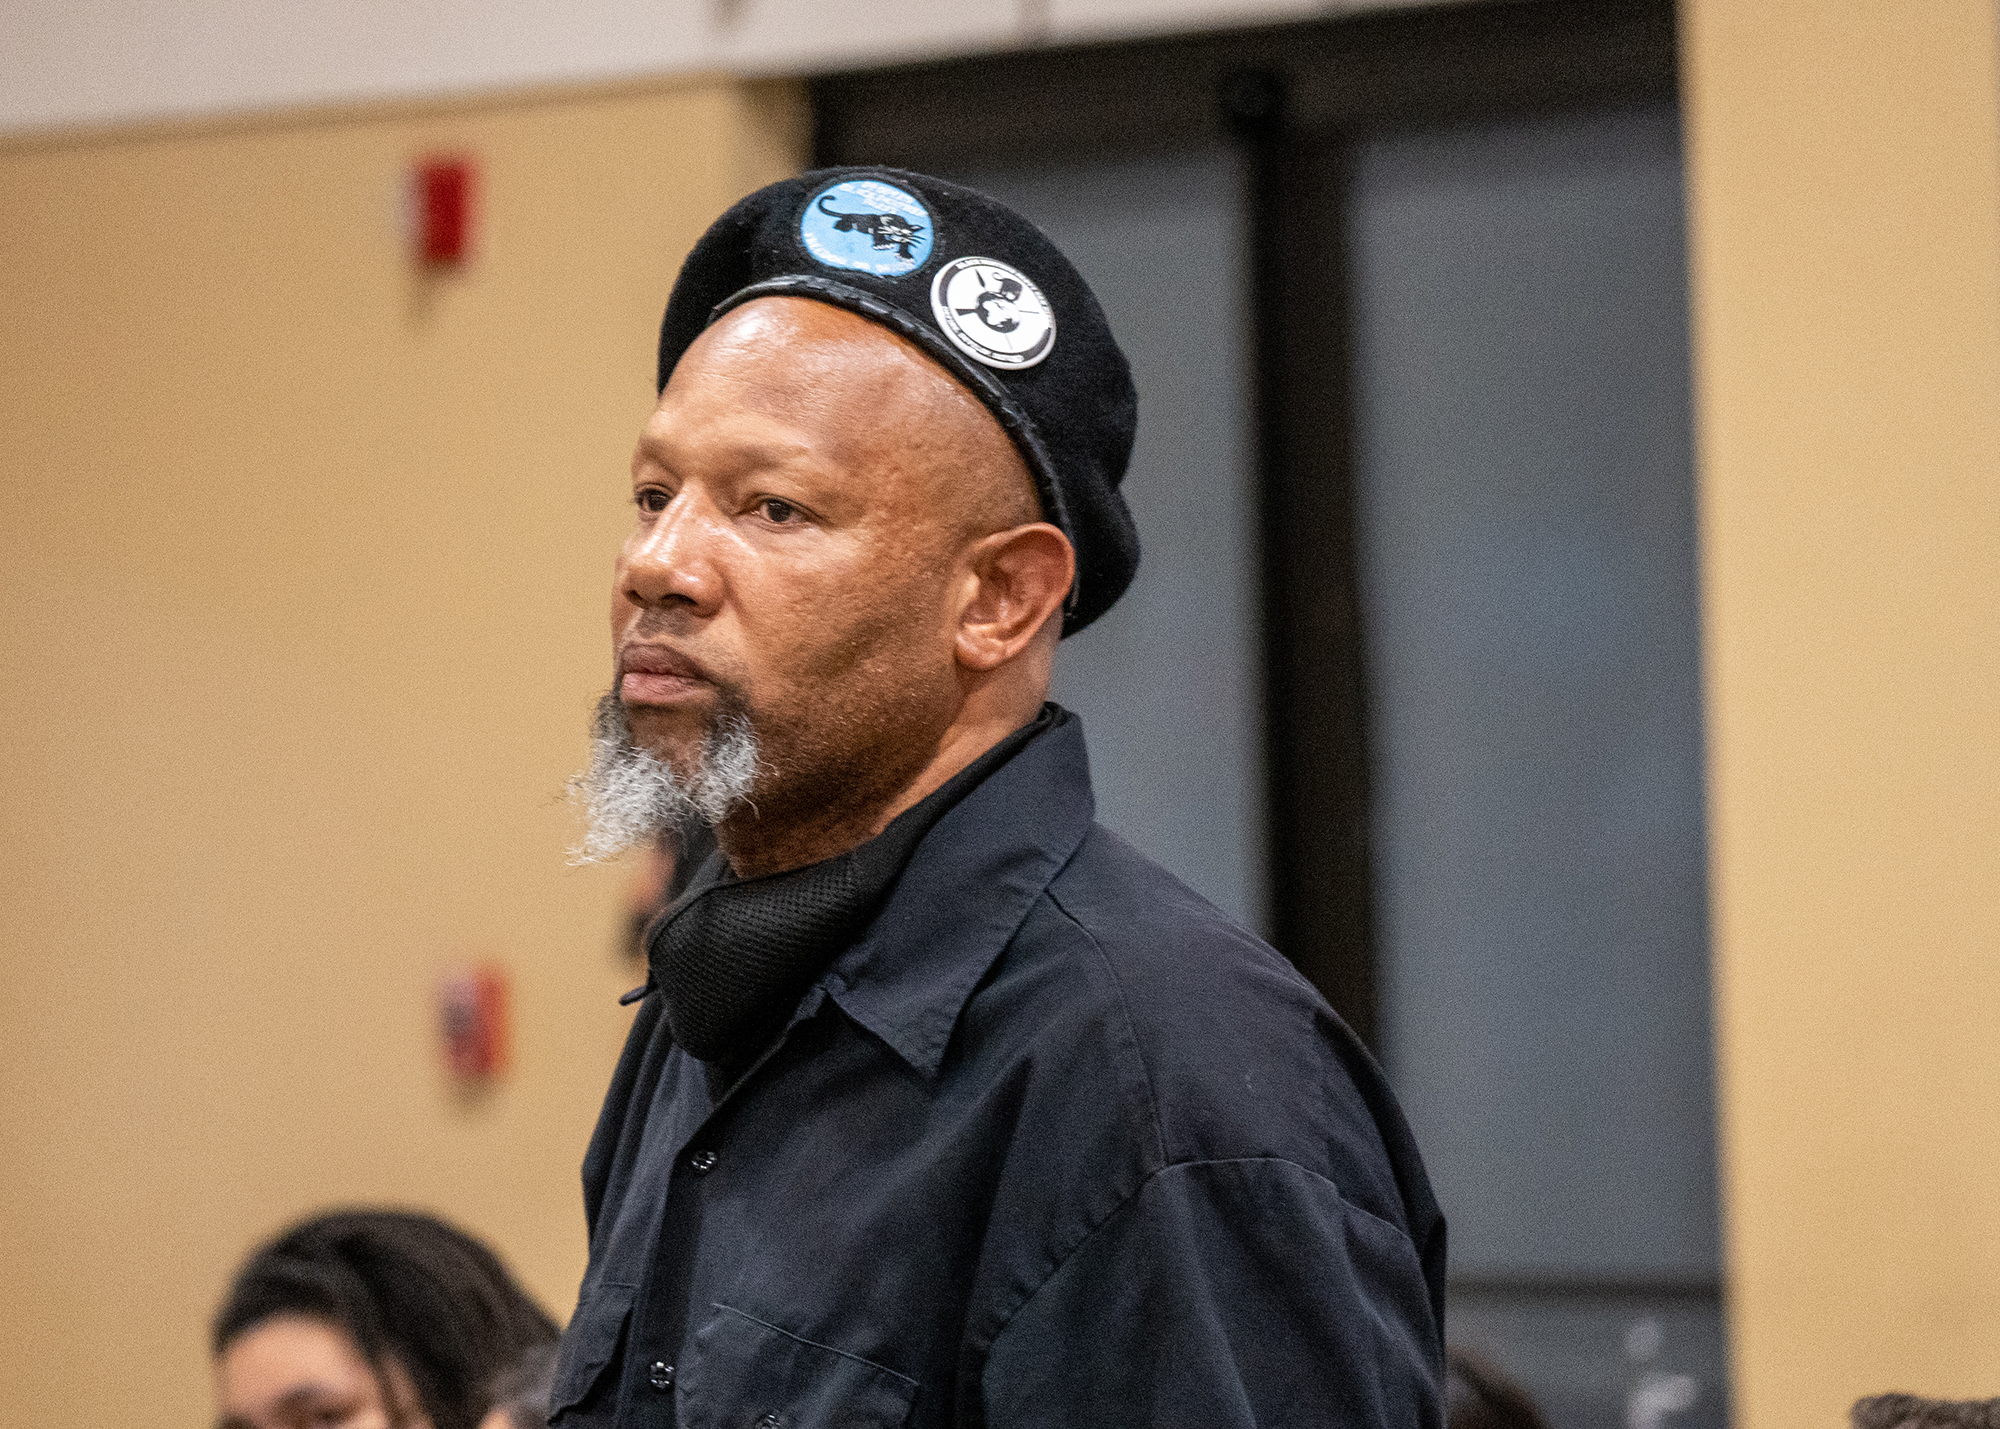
630,796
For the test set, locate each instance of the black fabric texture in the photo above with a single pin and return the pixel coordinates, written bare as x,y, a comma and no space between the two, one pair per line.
1052,1142
1071,416
732,957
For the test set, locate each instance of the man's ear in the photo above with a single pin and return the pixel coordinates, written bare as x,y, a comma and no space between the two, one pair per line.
1018,579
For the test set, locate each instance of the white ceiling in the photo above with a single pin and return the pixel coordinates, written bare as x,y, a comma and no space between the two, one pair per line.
87,62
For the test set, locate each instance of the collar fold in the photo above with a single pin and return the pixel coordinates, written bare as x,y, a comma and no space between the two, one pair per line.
965,891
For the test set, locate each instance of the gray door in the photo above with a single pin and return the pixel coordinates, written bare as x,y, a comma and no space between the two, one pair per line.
1525,508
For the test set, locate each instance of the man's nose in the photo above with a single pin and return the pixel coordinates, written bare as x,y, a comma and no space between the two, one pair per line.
671,561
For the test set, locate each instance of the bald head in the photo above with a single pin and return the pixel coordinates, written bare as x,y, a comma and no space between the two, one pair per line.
881,402
838,544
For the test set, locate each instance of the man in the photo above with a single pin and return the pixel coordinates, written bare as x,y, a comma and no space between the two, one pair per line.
943,1105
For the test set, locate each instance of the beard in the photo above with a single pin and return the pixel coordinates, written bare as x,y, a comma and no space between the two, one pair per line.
630,796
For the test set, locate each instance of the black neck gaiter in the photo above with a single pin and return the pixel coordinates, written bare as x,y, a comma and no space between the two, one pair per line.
732,957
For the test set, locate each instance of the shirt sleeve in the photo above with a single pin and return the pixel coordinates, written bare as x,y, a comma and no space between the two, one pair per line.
1226,1293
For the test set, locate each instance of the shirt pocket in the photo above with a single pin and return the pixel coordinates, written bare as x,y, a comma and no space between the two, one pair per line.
589,1344
741,1372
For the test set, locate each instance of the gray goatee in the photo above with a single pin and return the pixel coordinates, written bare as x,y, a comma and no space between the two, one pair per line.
631,797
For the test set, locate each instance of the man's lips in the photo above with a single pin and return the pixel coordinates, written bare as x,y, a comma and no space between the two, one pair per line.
655,675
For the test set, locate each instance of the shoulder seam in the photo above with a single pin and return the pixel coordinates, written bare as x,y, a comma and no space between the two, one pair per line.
1131,1029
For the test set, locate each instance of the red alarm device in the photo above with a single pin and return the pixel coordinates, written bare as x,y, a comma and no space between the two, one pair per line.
472,1015
441,194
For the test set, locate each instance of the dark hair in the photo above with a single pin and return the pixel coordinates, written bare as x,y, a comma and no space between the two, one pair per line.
1909,1411
410,1290
1479,1396
524,1390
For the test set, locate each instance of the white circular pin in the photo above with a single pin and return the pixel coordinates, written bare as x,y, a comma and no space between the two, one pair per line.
993,312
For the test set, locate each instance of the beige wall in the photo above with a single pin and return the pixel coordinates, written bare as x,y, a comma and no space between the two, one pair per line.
305,566
1844,169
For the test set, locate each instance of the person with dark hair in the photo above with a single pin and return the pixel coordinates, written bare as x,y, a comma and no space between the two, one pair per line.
378,1320
521,1396
1478,1395
1910,1411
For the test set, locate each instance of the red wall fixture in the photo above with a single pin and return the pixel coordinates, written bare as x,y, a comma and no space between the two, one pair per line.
472,1019
442,190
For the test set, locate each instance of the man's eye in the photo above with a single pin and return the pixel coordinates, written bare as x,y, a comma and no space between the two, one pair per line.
777,512
651,500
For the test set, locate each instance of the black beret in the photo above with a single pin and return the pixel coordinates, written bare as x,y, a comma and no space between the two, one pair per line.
978,288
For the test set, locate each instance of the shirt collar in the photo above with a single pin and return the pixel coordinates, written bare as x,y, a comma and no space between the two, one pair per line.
966,890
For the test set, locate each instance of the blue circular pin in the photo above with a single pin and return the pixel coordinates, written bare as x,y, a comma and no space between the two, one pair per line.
867,226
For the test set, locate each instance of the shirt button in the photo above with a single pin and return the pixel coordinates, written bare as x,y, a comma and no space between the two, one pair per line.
703,1162
660,1376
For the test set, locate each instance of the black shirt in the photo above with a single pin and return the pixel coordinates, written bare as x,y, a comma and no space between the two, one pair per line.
1053,1142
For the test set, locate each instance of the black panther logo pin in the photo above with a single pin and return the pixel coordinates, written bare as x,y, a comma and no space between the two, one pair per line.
868,226
886,230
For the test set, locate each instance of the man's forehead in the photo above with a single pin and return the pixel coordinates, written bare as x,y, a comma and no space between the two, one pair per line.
773,336
804,372
786,312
